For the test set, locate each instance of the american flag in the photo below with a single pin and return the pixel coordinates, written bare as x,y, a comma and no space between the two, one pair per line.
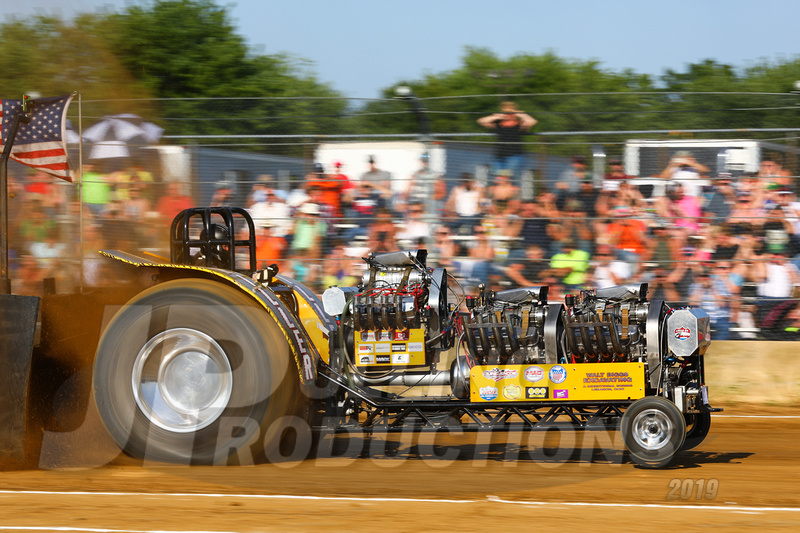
41,143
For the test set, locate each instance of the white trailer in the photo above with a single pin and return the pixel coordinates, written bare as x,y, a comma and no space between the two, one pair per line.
647,158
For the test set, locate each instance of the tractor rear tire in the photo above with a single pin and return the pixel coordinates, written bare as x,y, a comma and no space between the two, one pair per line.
653,430
194,371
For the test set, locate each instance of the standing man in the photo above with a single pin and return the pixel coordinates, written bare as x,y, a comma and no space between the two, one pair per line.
418,188
345,186
510,124
377,182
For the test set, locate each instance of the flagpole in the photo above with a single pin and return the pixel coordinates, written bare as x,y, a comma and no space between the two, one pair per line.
80,189
5,280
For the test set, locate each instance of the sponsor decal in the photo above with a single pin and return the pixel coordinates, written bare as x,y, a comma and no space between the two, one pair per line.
488,393
399,347
607,378
536,393
683,333
497,374
558,374
383,359
401,335
533,374
560,394
400,358
414,346
368,336
365,348
384,336
512,392
367,360
383,347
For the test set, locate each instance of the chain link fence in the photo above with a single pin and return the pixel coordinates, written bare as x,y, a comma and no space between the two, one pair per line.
606,192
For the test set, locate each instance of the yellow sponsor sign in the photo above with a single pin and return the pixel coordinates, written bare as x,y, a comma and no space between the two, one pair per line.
574,382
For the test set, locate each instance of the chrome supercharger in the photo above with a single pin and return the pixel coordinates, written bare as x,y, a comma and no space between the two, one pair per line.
396,322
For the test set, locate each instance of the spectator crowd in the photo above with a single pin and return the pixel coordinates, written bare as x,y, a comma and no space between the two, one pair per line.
728,244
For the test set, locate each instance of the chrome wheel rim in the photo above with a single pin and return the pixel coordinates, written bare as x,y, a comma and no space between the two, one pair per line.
182,380
652,429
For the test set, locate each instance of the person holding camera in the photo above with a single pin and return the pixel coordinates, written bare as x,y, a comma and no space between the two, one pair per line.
510,124
683,168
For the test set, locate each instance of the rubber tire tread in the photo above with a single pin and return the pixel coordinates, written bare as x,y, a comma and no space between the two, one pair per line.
265,379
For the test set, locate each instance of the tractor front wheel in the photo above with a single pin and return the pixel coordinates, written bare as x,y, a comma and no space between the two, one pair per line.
653,430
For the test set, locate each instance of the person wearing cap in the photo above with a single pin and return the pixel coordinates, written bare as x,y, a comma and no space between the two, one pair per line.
346,187
273,210
776,276
309,232
377,182
755,187
329,190
775,232
418,188
722,200
510,124
785,198
270,248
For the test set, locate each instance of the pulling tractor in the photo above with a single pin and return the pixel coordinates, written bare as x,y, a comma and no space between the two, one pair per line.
214,358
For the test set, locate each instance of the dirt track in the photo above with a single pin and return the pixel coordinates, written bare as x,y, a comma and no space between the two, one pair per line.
523,485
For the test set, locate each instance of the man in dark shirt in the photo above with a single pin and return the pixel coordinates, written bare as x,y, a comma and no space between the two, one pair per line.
530,269
510,124
726,245
530,228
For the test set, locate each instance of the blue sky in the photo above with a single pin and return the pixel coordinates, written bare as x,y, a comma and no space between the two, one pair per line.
361,46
